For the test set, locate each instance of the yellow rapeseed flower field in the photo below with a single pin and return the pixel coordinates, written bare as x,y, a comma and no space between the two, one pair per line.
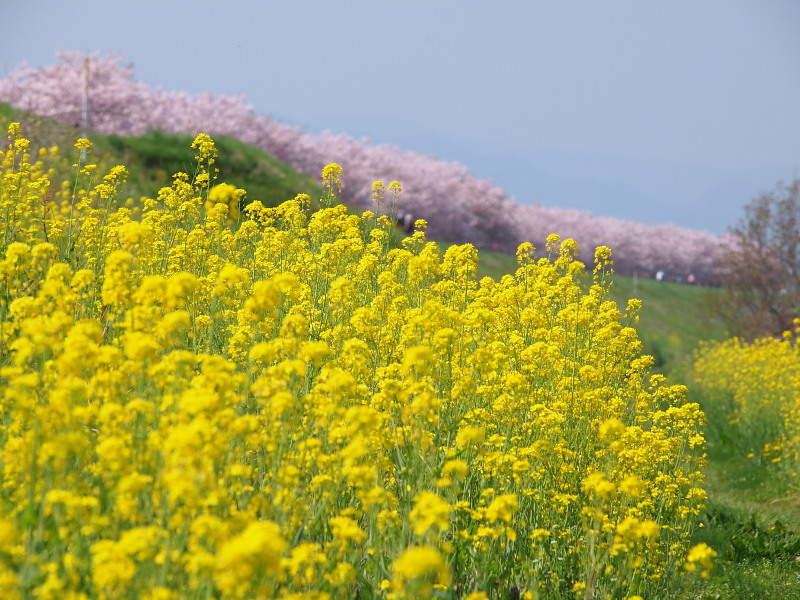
292,407
754,390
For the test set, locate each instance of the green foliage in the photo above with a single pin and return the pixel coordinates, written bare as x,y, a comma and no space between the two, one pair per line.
737,539
6,112
263,176
151,160
756,579
756,559
753,522
753,541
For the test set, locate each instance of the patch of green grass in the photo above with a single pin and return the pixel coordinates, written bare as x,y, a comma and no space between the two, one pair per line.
757,555
752,520
743,487
674,319
749,579
6,112
153,158
493,264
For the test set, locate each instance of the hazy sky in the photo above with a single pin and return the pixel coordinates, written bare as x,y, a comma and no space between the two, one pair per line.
707,83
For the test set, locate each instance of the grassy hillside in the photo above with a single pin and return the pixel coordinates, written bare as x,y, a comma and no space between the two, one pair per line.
153,158
675,318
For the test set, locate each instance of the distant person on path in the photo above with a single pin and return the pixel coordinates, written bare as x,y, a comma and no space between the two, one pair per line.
406,222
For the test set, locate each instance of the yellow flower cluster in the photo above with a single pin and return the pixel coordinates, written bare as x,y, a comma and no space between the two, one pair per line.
755,388
296,408
229,196
701,555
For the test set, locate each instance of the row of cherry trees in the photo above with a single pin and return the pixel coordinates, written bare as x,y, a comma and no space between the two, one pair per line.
458,206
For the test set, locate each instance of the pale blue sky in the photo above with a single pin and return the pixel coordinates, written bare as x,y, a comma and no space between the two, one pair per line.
595,101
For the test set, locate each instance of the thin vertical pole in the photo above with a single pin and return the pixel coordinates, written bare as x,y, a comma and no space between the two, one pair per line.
85,106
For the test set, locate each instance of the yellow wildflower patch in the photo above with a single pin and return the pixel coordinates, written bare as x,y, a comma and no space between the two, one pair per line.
291,405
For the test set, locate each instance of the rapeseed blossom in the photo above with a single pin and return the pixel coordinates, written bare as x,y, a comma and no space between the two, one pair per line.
295,406
416,571
700,555
753,389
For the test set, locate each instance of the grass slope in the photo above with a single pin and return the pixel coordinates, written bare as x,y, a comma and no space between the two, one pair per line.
153,158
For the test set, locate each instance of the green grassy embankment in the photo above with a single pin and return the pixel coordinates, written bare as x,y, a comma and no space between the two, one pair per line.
153,158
